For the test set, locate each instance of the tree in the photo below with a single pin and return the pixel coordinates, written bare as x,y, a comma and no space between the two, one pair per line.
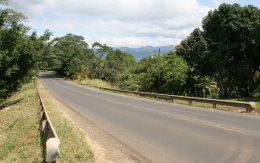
174,71
99,53
71,53
147,74
233,57
43,52
17,51
119,69
192,49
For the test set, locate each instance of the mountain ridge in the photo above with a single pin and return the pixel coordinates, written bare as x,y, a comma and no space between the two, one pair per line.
146,51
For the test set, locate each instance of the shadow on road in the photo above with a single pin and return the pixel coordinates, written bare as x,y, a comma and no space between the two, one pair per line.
45,75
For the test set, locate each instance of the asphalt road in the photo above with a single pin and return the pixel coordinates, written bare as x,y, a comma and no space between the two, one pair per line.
163,132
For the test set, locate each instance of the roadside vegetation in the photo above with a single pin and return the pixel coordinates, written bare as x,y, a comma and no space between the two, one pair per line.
95,83
21,54
20,139
74,147
219,60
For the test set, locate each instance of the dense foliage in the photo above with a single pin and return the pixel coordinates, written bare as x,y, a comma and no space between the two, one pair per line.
173,73
19,53
119,67
227,50
70,54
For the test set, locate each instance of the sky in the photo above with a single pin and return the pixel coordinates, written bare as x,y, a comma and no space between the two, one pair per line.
128,23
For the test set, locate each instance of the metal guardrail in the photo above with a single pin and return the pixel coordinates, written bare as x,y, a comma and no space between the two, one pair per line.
53,142
249,106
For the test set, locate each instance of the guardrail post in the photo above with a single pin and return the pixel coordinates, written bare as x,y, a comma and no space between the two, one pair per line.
44,127
252,106
204,93
52,149
209,92
52,144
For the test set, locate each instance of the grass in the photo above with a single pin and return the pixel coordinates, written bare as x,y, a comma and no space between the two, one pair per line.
20,139
258,104
73,146
95,83
256,100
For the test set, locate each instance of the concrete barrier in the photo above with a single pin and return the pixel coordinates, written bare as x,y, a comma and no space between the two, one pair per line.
52,149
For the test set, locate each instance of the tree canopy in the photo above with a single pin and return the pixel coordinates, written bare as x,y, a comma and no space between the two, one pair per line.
17,52
228,47
71,53
173,73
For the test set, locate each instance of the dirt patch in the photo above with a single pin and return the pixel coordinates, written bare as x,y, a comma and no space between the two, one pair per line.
104,146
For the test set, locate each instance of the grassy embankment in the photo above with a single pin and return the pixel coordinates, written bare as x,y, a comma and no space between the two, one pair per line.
101,83
20,138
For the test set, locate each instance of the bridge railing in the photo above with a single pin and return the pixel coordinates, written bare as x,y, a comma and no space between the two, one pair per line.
249,106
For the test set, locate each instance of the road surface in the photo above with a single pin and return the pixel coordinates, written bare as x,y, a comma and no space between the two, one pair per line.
163,132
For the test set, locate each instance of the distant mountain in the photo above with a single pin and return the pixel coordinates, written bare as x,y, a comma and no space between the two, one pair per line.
146,51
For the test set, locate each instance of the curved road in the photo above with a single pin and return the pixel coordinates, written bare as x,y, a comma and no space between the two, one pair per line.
163,132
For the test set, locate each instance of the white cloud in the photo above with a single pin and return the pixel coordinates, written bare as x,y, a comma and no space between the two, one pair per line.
32,8
216,3
136,41
116,22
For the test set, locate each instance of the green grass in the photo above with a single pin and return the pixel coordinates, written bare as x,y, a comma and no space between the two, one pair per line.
74,147
256,100
95,83
258,104
20,139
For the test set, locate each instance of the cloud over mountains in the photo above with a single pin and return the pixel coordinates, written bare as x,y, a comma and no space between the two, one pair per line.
131,23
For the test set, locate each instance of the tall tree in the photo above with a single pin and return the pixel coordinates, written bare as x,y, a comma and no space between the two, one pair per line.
71,53
119,69
16,51
233,54
192,48
42,47
173,73
99,53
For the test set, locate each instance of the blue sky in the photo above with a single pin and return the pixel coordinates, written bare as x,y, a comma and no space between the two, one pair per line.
131,23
